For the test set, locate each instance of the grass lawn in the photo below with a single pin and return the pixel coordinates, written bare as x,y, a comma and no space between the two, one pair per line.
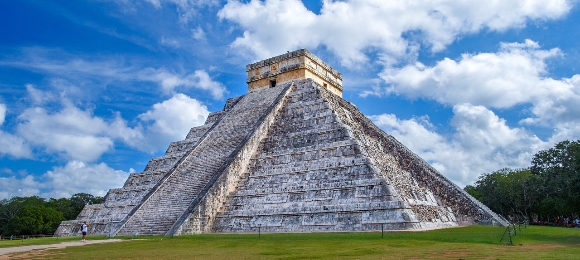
475,242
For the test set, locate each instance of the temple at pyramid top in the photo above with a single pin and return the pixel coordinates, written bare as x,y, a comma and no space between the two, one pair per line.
300,64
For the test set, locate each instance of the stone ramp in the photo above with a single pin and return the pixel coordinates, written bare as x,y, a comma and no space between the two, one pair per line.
174,196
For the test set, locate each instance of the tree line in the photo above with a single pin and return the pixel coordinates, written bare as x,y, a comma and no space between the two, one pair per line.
548,191
35,215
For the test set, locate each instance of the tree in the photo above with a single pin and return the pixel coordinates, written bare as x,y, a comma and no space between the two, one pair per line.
12,210
35,219
506,191
558,171
63,205
35,215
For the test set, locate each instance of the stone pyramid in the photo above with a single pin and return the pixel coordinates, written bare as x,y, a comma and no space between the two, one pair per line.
289,156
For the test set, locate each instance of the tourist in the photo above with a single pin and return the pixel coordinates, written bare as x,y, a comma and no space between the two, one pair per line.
84,228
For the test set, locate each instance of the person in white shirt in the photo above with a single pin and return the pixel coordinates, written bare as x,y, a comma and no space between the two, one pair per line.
84,228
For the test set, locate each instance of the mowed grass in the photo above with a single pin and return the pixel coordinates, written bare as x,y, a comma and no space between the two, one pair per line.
474,242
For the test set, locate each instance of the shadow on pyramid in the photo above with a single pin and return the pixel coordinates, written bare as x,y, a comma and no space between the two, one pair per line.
289,156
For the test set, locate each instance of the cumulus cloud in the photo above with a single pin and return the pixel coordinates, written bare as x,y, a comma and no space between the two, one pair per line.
393,28
516,74
80,137
481,142
503,79
171,120
71,132
14,146
63,182
77,176
74,133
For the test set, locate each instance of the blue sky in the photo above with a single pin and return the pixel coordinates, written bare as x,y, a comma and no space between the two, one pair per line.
91,90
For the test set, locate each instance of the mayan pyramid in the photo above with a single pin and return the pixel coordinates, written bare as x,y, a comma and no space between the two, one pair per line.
289,156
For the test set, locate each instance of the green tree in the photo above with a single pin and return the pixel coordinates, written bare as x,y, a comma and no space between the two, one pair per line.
506,191
558,171
472,190
35,219
10,210
63,205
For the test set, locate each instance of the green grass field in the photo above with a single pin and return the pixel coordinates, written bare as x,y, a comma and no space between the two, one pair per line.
475,242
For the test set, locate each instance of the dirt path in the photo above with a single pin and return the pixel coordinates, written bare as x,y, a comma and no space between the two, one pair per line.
4,252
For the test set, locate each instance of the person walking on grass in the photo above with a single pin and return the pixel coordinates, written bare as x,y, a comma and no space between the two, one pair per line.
84,228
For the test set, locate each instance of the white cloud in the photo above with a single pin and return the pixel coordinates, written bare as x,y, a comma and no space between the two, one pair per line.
14,146
170,81
76,176
482,142
170,42
171,120
75,69
13,187
514,75
38,96
71,132
198,33
74,133
10,144
509,77
393,28
63,182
